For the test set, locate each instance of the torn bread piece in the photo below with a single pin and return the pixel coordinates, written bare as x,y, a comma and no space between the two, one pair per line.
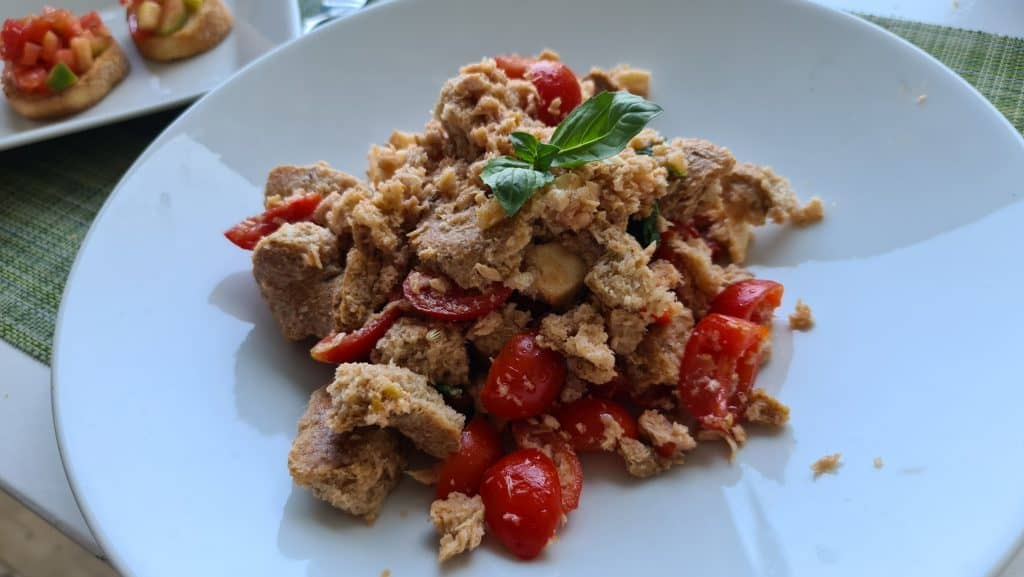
827,464
801,318
352,471
364,395
460,521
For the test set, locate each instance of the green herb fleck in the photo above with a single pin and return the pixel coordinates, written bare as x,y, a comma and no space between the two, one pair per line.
646,151
645,230
448,390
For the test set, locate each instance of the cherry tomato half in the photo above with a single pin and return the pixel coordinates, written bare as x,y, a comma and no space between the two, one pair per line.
753,300
348,347
248,233
462,471
524,379
718,368
584,422
570,471
513,65
554,81
456,303
522,501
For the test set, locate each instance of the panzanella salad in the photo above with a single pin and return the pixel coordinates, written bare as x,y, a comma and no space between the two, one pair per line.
535,275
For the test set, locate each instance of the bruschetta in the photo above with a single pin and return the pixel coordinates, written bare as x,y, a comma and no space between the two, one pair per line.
174,29
56,63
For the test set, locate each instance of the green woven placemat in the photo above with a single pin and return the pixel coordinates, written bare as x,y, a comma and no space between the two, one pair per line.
50,192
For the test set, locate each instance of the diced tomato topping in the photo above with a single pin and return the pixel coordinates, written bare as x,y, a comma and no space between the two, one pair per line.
454,303
524,379
30,52
30,79
133,27
554,81
723,355
36,28
250,231
585,422
753,300
522,501
92,21
356,345
513,65
13,38
31,46
67,57
462,471
530,435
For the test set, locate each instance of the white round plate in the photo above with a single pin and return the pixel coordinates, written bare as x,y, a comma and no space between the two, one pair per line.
176,399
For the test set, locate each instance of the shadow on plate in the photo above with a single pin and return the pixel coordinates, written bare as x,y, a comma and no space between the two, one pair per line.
273,377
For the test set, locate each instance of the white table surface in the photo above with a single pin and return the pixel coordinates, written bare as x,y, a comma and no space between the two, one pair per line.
30,466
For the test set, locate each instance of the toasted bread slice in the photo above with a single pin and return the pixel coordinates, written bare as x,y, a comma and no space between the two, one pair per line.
204,30
107,70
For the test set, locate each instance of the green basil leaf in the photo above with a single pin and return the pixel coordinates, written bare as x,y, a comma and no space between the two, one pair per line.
525,145
531,150
513,182
546,154
601,127
645,230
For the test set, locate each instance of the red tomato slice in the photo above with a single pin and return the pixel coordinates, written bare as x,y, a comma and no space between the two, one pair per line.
12,38
753,300
91,21
356,345
514,65
462,471
524,379
35,29
31,79
248,233
570,472
718,369
583,421
456,303
554,80
522,501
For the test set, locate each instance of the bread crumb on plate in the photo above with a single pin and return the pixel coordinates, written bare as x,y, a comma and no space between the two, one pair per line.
879,463
801,318
827,464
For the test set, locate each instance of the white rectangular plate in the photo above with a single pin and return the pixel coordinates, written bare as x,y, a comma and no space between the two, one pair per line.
151,86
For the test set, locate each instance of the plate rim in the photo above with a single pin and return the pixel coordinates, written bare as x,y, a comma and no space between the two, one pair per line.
996,566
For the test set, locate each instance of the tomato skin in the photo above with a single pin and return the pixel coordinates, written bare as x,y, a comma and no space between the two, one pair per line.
462,471
30,79
13,38
456,304
340,348
91,21
529,435
582,421
753,300
522,501
250,231
722,357
514,65
524,379
554,80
